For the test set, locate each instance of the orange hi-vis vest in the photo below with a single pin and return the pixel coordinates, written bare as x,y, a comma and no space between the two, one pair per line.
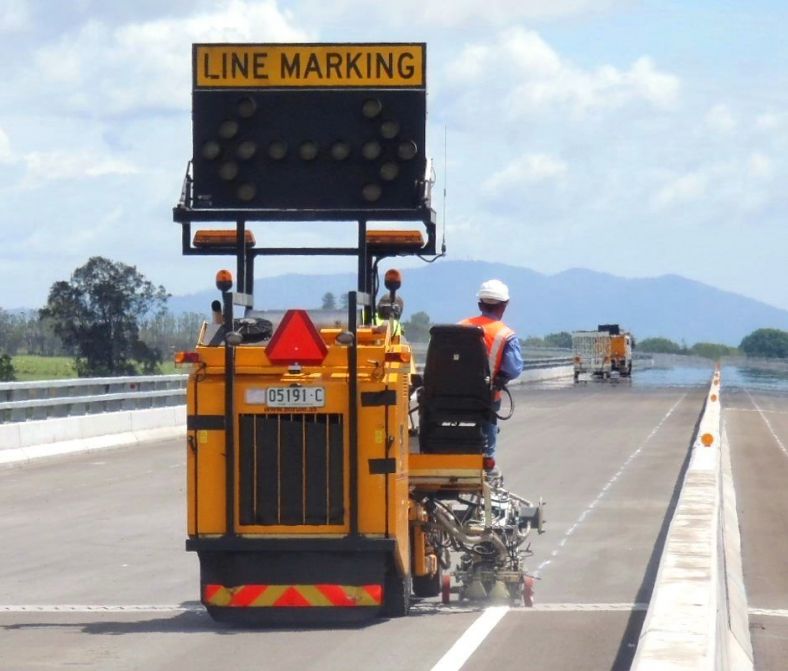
496,333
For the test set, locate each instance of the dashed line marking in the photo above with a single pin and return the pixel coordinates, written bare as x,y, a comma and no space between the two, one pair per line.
768,423
590,507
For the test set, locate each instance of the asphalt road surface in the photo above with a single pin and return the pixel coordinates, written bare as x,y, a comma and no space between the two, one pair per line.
756,426
93,574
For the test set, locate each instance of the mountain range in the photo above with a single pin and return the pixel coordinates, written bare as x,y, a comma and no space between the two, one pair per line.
670,306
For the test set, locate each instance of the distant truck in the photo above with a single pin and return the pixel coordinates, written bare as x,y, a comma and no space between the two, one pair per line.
602,351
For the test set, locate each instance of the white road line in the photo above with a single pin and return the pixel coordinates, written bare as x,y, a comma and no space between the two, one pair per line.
590,507
98,608
584,607
773,612
768,424
473,637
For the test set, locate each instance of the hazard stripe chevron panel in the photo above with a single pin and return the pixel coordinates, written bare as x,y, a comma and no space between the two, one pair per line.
298,596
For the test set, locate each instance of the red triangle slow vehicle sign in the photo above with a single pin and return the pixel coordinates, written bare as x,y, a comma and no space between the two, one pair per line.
296,341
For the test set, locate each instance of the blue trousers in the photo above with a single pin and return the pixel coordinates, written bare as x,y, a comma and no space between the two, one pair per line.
491,431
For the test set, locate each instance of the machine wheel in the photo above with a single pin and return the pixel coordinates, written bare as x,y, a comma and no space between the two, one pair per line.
396,594
577,376
427,585
528,591
446,588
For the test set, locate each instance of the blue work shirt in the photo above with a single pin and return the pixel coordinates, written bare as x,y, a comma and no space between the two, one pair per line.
512,361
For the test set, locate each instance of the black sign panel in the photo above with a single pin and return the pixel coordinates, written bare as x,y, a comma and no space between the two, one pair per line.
309,149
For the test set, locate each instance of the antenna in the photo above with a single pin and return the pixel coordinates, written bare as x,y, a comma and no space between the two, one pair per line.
445,182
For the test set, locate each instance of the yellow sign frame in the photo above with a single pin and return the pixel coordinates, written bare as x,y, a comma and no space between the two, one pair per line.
336,66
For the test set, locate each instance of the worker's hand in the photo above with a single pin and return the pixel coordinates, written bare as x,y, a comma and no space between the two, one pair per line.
499,382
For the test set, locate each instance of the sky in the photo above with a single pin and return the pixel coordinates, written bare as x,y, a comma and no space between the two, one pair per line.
634,138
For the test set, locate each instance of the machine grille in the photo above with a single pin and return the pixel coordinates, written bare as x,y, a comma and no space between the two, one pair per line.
291,467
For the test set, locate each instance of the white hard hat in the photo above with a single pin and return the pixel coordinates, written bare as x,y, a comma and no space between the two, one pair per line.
493,291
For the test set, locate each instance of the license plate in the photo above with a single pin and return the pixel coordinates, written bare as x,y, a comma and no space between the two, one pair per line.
295,397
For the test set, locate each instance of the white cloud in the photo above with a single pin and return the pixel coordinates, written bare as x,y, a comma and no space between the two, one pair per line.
728,187
5,147
102,70
457,13
760,166
720,119
533,77
681,190
770,121
529,169
14,16
57,165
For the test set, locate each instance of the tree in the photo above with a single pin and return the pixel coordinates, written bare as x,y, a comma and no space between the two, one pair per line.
559,340
532,342
7,372
329,301
344,300
711,350
98,314
767,343
660,346
418,328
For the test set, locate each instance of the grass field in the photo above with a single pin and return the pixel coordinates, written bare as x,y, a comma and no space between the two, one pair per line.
29,367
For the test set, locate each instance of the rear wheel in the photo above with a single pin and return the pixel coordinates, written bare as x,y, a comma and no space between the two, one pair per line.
446,588
528,591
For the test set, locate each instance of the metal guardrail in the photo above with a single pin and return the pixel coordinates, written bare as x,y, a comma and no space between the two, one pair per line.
42,399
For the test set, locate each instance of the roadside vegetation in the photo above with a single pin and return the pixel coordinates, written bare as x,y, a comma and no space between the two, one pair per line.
108,319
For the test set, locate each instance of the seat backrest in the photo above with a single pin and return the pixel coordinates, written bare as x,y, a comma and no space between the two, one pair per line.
456,398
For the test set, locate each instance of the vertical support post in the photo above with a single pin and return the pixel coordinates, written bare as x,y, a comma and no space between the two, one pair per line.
229,415
240,255
352,371
249,289
363,264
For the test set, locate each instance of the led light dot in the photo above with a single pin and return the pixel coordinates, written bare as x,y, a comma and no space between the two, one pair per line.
277,150
228,129
371,192
371,150
407,150
389,171
246,150
246,191
371,108
228,171
246,107
389,129
308,150
211,150
340,151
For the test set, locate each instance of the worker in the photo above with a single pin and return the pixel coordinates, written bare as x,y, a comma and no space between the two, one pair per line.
503,348
388,311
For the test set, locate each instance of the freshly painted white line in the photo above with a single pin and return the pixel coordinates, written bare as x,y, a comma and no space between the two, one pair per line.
590,507
473,637
98,608
768,424
771,612
584,607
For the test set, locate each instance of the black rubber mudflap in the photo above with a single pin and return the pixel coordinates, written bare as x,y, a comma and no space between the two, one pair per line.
396,594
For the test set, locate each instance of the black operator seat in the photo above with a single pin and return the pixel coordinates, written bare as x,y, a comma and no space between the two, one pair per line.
456,398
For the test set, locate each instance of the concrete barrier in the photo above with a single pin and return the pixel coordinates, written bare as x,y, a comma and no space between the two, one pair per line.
23,441
697,617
